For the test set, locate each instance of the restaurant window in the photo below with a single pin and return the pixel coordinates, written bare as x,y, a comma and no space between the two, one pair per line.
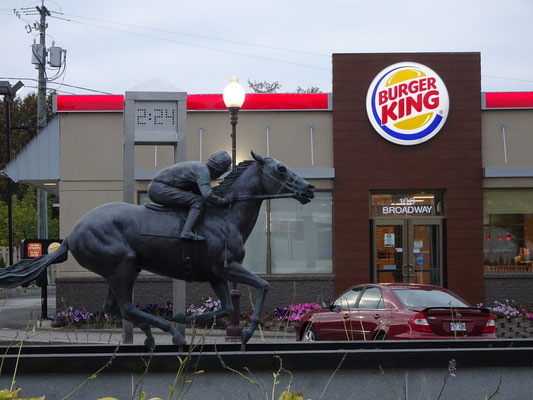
508,230
291,238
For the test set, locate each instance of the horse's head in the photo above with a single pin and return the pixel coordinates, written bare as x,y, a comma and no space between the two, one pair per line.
278,178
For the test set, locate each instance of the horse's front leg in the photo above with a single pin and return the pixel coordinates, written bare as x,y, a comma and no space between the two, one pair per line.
238,274
220,287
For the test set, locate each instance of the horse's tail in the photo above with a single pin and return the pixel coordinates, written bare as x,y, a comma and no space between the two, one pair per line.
26,271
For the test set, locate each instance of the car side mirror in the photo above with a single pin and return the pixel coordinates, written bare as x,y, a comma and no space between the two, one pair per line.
326,304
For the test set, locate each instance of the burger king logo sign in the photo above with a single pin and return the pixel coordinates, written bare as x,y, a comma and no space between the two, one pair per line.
407,103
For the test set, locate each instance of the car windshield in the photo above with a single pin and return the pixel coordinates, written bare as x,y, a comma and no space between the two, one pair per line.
427,298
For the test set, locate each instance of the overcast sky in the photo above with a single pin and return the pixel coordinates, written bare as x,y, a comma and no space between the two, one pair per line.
195,46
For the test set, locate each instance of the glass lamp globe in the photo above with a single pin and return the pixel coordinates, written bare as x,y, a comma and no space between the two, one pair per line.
233,93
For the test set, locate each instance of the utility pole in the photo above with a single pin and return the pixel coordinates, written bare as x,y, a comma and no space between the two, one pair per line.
42,203
42,196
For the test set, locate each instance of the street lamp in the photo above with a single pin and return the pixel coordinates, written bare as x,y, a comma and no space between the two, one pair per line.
234,98
9,92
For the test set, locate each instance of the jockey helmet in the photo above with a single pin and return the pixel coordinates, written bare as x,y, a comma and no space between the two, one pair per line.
220,161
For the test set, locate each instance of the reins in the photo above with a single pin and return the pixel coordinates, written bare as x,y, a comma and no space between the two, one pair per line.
265,196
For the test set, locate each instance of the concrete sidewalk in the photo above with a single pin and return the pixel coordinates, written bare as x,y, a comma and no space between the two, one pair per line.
47,335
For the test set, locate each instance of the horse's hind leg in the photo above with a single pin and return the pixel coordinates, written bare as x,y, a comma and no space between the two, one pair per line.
121,284
149,342
111,305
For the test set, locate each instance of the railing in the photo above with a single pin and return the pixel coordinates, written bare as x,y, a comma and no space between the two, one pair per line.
4,253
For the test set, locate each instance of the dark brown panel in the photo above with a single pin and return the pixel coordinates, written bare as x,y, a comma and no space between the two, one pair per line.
451,161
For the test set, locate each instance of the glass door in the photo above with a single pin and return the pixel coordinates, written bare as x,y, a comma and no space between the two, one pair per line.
424,252
389,243
408,251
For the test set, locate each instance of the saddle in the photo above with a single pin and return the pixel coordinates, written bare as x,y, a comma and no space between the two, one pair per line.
166,222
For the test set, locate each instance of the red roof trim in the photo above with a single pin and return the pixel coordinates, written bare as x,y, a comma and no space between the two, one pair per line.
201,102
255,101
84,103
508,100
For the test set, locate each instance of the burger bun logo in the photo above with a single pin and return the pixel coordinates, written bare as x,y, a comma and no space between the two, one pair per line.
407,103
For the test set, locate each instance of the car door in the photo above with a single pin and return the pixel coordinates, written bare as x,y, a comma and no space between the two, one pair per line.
334,323
369,312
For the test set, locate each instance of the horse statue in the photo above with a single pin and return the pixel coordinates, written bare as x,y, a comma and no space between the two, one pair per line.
117,240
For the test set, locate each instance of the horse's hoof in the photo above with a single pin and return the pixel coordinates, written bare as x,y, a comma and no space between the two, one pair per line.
179,341
180,318
150,343
246,334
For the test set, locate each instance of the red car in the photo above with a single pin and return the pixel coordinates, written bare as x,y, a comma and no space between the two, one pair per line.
397,312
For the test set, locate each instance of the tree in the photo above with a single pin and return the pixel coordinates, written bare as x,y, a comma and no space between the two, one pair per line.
267,87
264,86
310,89
25,219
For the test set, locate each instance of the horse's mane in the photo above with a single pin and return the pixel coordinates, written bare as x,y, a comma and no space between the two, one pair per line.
232,177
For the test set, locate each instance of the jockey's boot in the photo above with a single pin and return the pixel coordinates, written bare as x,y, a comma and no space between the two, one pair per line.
192,217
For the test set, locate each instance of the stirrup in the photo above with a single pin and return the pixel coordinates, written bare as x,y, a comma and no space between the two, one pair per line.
191,236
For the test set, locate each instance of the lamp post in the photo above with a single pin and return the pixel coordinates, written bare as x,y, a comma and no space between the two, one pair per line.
234,98
9,92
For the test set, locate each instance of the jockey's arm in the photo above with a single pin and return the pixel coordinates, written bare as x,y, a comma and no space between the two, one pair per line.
207,192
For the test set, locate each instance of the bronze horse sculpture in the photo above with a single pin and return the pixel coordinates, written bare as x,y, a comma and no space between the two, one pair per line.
117,240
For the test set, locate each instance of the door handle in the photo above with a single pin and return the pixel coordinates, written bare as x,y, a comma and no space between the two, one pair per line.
411,270
346,315
377,316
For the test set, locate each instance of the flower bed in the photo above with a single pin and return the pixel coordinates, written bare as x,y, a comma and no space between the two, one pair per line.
285,318
512,320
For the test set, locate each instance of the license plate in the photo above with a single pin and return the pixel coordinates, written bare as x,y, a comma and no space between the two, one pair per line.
458,326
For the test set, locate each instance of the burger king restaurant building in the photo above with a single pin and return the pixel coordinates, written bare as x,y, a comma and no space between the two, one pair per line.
420,178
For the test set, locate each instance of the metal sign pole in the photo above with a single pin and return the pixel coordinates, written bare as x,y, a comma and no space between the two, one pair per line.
153,118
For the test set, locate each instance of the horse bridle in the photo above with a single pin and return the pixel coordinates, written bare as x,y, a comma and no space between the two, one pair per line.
288,184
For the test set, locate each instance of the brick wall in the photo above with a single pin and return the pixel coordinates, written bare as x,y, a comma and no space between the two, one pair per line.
451,161
89,293
512,287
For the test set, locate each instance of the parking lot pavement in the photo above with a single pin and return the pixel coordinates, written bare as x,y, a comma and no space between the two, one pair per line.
20,320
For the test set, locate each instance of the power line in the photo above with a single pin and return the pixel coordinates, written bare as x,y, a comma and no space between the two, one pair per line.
196,36
54,83
50,89
193,45
508,79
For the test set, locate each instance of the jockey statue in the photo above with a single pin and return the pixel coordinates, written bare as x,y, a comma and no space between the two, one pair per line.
188,184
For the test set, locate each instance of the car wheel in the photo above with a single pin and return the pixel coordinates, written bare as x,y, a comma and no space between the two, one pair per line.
381,336
309,334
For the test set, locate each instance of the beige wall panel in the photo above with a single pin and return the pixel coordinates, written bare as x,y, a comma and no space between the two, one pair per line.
90,186
519,138
75,204
289,136
91,146
216,134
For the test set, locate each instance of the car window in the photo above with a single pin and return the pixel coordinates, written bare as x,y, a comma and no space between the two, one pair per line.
427,298
372,299
348,299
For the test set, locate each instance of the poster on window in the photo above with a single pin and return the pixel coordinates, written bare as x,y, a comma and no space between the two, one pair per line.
389,239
